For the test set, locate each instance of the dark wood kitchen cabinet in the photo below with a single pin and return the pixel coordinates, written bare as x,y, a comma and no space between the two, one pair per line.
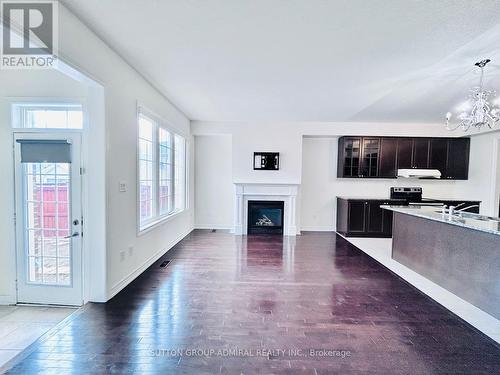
364,218
420,153
438,148
358,157
457,167
404,157
349,157
379,221
370,154
356,217
360,217
413,153
381,157
451,157
388,153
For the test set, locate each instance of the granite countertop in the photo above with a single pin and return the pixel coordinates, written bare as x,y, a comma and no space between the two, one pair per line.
471,221
371,198
424,200
449,199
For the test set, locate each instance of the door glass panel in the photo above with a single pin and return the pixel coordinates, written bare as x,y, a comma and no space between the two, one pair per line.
47,222
49,270
35,270
35,242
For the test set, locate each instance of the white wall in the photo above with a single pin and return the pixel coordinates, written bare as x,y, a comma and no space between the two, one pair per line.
271,138
124,88
19,85
483,172
248,138
308,154
213,176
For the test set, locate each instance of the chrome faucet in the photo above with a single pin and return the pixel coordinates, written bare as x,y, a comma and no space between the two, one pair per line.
443,209
467,208
451,210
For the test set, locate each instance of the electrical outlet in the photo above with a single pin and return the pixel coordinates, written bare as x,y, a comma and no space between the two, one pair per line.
130,251
122,255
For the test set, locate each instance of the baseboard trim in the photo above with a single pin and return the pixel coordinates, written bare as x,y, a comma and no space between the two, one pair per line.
8,300
120,285
209,226
319,228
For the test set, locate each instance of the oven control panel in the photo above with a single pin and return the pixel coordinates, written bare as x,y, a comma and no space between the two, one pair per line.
406,190
408,193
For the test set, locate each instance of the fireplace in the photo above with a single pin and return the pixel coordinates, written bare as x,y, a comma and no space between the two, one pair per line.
285,193
265,217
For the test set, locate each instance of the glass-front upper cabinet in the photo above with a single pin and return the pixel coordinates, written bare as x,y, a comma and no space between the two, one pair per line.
350,154
370,159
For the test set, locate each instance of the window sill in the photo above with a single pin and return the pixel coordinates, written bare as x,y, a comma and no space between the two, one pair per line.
158,222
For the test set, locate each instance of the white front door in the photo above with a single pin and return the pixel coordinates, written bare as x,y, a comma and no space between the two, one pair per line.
48,218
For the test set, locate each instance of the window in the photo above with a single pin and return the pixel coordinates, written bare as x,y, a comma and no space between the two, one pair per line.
146,167
180,171
47,116
161,171
166,163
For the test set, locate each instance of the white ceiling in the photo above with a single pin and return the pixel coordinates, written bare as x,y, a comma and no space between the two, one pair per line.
304,60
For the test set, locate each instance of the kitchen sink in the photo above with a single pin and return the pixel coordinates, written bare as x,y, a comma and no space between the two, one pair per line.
468,215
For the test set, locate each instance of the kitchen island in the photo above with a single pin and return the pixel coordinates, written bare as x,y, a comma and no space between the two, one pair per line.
461,254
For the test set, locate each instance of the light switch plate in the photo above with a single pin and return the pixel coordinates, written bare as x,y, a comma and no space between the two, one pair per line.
122,186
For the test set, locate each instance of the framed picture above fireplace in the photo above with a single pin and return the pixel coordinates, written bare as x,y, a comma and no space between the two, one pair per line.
269,161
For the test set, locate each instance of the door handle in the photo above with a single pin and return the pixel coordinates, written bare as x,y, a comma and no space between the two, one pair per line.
76,234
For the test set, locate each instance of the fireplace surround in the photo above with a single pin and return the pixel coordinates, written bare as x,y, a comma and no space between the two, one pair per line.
244,192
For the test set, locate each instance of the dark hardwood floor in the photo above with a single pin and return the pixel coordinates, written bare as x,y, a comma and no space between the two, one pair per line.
224,294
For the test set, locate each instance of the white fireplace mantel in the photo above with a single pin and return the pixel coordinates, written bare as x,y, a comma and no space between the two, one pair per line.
270,192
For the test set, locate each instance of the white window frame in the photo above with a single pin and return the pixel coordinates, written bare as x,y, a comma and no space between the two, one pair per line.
18,107
157,218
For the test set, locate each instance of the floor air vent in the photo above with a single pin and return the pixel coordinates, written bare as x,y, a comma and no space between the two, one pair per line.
165,263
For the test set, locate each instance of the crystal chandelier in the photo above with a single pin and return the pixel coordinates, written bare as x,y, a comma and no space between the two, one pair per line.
476,112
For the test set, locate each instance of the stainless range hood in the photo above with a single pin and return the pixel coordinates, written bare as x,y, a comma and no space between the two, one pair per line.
419,173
